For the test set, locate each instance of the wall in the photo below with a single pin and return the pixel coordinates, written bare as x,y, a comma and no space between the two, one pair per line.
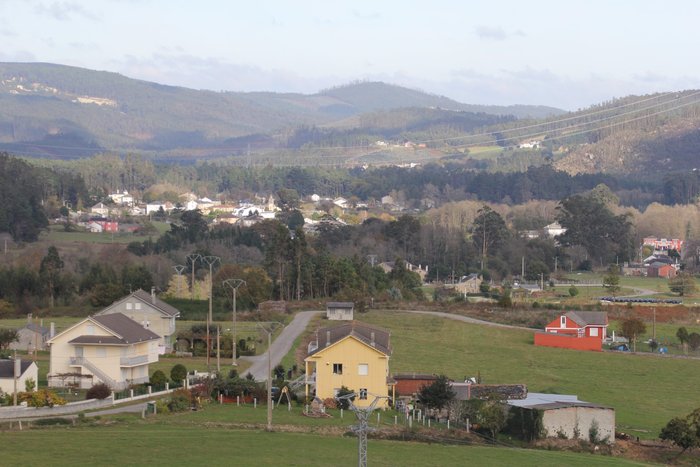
568,420
546,339
351,353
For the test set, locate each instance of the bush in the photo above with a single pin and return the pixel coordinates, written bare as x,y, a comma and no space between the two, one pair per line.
99,391
158,378
41,398
180,401
162,406
52,422
178,373
573,291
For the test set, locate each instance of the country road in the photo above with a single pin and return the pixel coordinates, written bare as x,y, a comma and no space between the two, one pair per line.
280,346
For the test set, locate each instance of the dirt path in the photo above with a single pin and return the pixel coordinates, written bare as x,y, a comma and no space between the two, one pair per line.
464,319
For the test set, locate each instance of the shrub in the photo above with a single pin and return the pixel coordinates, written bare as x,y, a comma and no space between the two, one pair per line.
178,372
158,378
180,401
52,421
99,391
41,398
162,406
29,384
573,291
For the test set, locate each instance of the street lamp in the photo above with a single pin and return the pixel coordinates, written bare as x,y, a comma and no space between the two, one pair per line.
271,326
210,260
234,284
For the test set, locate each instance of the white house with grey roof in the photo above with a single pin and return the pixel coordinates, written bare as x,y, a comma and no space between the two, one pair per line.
151,312
112,349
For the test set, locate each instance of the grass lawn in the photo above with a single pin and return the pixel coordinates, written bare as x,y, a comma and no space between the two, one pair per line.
56,234
164,443
646,391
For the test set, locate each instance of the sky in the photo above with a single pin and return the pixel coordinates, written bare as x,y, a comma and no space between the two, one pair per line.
568,54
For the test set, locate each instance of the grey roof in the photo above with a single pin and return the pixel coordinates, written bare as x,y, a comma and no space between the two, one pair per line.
7,367
586,318
375,337
36,328
340,305
126,330
147,298
539,400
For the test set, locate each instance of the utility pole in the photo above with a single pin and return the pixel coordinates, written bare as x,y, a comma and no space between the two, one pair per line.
372,259
210,260
556,258
362,427
193,259
178,269
272,326
234,284
522,269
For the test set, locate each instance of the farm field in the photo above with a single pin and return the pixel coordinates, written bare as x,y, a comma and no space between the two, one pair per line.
190,443
645,390
56,234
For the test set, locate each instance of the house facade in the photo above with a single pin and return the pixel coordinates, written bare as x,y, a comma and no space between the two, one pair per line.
580,324
111,349
340,311
27,370
151,312
469,284
353,355
31,337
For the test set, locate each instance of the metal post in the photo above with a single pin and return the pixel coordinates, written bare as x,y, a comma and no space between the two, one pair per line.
269,381
210,260
218,349
193,258
234,284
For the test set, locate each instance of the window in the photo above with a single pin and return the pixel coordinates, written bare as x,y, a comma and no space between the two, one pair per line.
91,330
337,368
594,332
129,306
363,394
363,369
137,306
563,321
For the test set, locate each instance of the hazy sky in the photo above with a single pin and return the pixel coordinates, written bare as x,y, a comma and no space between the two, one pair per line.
564,53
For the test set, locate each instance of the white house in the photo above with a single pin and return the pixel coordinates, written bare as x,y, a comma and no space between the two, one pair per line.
554,229
112,349
149,311
27,370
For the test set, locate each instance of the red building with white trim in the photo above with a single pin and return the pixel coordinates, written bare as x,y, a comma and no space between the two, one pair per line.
580,324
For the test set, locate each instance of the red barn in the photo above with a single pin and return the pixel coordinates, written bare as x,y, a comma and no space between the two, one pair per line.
580,324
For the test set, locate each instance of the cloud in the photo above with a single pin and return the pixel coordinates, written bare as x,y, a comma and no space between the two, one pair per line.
496,33
64,11
214,74
366,16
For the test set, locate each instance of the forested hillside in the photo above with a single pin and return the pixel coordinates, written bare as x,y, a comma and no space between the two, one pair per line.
57,110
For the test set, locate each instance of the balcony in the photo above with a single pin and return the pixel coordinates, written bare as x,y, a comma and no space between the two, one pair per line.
134,361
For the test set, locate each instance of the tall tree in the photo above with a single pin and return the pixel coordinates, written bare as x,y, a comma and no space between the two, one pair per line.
488,232
50,272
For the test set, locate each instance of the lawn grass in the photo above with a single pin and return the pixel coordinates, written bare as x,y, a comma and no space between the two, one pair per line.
646,391
161,443
56,234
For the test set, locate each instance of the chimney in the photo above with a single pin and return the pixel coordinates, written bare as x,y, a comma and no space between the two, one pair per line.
52,330
153,295
328,338
371,338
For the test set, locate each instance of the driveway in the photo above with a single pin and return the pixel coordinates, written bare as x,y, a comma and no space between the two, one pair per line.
280,346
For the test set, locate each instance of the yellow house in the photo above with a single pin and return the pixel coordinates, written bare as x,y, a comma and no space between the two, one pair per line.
353,355
111,349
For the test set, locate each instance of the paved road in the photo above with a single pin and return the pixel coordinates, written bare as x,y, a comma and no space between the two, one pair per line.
280,346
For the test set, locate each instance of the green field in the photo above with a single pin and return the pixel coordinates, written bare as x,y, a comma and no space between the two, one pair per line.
56,234
183,440
646,391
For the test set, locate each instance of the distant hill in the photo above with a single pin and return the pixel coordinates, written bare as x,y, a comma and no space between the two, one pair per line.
63,111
